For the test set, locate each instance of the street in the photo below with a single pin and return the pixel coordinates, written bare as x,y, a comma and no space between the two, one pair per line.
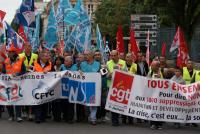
50,127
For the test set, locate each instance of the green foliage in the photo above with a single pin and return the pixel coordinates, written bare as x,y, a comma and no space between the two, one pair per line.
184,13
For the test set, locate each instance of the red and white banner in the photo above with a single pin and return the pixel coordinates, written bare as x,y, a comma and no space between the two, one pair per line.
154,99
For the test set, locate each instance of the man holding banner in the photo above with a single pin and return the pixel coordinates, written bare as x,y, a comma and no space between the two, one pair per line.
155,72
114,63
42,65
14,66
29,58
90,65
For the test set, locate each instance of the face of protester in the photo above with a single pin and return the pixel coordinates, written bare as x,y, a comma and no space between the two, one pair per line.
139,57
129,59
88,56
114,56
97,56
121,56
44,56
155,65
80,58
190,65
178,73
162,60
68,61
27,48
58,62
11,54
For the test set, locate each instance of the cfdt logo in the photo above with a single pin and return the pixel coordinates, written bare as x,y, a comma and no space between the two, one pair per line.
121,89
10,93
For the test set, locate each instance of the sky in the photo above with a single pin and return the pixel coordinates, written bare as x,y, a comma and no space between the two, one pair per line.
10,7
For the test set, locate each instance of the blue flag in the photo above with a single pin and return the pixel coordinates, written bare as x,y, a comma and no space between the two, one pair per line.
26,14
51,37
33,34
100,44
77,14
63,7
36,35
80,37
80,8
13,39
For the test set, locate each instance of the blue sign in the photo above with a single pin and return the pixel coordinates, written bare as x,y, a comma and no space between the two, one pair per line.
80,92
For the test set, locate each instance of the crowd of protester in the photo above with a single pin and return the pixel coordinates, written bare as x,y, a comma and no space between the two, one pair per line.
90,61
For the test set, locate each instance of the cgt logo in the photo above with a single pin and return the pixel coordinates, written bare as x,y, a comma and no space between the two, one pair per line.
121,89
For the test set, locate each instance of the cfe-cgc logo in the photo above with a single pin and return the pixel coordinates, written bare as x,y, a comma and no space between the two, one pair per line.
120,91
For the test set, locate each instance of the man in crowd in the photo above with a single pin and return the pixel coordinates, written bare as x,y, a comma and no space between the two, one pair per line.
42,65
101,112
155,72
29,58
89,66
80,109
114,63
68,108
14,66
188,71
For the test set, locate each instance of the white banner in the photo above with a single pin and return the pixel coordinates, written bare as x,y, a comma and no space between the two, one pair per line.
38,88
154,99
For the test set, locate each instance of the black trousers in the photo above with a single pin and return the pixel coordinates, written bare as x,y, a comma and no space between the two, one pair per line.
115,118
57,109
68,110
40,112
80,112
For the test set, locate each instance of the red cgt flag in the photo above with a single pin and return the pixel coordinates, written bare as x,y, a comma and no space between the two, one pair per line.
120,41
164,47
183,54
133,48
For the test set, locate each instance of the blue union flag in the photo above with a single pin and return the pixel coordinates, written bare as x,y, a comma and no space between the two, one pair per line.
26,14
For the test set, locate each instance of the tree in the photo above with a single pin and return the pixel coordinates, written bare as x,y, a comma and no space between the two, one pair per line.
110,14
183,13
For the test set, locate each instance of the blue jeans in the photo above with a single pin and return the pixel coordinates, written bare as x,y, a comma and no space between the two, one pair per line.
93,112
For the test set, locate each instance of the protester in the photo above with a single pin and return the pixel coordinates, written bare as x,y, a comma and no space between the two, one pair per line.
101,112
14,66
188,71
114,63
80,109
178,78
89,66
188,74
155,72
142,69
68,108
57,104
42,65
29,57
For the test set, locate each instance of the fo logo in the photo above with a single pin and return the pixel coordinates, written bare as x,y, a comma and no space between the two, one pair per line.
121,89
